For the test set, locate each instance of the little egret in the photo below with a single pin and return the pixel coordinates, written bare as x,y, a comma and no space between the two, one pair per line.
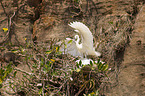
86,47
71,46
77,40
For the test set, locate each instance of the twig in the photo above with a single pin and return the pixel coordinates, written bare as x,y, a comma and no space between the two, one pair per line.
61,86
23,71
68,93
43,88
9,24
8,35
94,6
83,87
28,64
10,93
3,8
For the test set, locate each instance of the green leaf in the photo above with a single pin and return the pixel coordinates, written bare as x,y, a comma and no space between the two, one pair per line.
1,71
105,67
1,86
47,86
34,65
70,41
65,46
91,63
98,61
110,22
40,91
80,62
42,62
14,51
44,69
46,66
5,74
77,65
59,93
15,73
100,66
48,52
24,75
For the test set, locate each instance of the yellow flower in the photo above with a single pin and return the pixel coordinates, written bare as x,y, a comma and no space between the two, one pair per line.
92,93
52,60
56,49
5,29
1,81
78,70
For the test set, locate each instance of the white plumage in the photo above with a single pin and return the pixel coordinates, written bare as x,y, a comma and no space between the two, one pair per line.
85,61
77,40
71,46
86,46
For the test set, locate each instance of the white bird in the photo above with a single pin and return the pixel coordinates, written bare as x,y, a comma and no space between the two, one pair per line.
86,47
77,40
71,46
85,61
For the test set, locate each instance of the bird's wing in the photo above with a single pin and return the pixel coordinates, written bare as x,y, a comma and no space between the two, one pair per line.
98,53
86,38
84,32
69,47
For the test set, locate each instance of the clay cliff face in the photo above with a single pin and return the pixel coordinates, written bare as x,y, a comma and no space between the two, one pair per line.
119,26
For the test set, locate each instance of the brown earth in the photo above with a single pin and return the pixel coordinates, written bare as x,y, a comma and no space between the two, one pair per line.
131,76
118,24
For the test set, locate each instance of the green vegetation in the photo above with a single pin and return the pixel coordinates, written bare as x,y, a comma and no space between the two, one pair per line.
49,72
